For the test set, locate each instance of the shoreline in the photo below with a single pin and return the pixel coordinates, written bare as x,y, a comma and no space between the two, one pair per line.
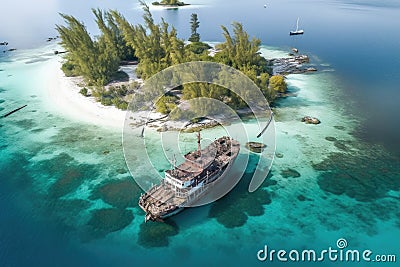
64,96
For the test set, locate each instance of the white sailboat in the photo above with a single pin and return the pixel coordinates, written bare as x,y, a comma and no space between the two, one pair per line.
297,31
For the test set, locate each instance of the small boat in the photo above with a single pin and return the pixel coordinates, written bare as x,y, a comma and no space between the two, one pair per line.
297,31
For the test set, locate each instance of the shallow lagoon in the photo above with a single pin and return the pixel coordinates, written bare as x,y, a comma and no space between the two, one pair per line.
58,182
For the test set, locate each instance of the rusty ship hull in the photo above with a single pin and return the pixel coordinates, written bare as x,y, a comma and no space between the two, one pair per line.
190,181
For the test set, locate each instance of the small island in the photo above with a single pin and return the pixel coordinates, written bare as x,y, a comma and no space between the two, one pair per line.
169,3
150,48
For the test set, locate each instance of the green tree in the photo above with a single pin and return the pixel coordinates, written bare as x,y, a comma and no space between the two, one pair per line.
156,45
240,52
112,33
194,25
278,83
166,104
96,60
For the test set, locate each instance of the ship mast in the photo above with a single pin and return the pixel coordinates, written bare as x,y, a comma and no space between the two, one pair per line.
198,143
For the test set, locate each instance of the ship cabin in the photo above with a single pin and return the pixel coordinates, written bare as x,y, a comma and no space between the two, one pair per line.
191,171
199,165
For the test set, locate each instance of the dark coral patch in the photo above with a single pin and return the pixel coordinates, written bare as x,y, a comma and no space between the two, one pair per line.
287,173
118,193
339,127
37,130
363,176
69,174
13,171
233,209
52,166
70,180
121,171
155,234
104,221
269,182
228,216
66,210
301,198
26,124
70,135
330,138
341,145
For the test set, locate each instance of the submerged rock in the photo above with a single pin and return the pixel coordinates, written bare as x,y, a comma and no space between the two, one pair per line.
255,147
310,120
290,65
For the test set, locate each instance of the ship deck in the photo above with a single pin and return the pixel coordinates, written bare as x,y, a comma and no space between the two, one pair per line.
165,198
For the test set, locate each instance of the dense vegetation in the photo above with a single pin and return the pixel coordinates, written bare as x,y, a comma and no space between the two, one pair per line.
97,60
169,3
156,46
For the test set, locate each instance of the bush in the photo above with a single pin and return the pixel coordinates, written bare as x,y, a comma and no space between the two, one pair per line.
122,90
166,104
120,104
134,85
123,105
278,83
106,101
197,47
69,69
84,91
120,76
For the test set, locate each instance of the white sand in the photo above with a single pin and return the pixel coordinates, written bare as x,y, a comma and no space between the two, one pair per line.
64,96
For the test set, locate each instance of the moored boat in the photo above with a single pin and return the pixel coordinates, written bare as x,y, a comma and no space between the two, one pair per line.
297,31
188,182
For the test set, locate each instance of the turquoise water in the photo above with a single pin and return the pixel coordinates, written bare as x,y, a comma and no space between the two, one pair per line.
67,198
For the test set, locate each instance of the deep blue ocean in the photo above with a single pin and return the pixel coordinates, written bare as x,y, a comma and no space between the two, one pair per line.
67,198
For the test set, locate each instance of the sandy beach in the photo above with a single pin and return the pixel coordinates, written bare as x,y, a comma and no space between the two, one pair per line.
64,96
